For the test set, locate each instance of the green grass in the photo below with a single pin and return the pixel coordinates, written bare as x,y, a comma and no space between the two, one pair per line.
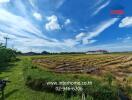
20,70
16,90
41,75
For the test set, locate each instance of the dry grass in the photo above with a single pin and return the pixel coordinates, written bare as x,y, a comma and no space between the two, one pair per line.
119,65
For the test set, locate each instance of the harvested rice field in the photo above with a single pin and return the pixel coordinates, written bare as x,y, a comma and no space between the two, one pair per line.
99,65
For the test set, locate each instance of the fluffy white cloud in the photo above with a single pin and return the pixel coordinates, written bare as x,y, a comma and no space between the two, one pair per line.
26,35
126,22
52,24
37,16
68,21
4,1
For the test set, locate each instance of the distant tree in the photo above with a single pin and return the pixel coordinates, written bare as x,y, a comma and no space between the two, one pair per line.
18,52
45,52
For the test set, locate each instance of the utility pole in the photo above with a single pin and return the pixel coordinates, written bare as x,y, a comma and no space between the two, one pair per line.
6,41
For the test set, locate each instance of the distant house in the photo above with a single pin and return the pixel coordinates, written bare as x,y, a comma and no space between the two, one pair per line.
97,52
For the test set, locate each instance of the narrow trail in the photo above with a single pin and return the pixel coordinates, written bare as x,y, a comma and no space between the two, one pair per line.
15,75
16,90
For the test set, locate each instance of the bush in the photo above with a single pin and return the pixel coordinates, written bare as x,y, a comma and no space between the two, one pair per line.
6,55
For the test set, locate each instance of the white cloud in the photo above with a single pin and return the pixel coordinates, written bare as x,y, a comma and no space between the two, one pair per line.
97,3
27,43
59,3
88,36
26,35
18,25
68,21
52,24
4,1
86,41
69,43
83,37
21,7
1,38
126,39
7,35
101,27
80,36
37,16
115,46
126,22
101,7
32,2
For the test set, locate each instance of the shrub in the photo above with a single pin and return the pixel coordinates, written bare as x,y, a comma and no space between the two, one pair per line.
6,55
109,78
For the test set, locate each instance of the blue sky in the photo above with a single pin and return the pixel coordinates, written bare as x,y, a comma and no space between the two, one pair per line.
65,25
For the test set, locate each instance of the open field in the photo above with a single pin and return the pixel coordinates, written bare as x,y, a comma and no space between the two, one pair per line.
108,73
119,65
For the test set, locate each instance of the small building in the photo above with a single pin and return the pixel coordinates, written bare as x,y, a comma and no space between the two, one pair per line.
97,52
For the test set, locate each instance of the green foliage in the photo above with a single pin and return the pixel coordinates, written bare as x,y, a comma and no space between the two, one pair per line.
109,78
16,89
6,55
